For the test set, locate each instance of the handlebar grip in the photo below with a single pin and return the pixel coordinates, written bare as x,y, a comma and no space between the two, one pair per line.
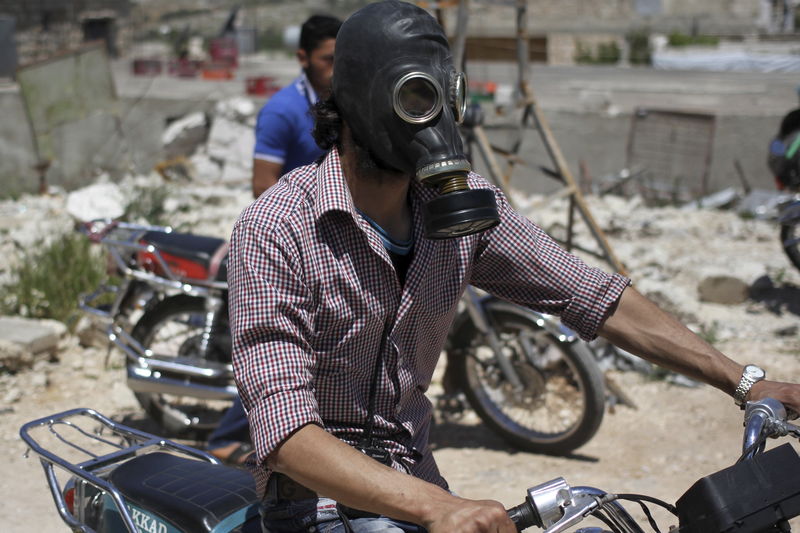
524,516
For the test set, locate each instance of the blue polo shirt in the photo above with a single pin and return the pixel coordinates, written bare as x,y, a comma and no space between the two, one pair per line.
284,125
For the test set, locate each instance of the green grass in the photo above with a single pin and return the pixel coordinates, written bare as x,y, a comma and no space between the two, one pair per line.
677,38
49,278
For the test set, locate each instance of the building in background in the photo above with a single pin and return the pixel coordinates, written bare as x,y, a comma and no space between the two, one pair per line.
45,27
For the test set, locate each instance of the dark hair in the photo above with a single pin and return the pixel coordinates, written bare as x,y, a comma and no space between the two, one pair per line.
327,130
316,29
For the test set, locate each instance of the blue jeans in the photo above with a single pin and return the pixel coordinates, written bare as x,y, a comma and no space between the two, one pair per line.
233,427
320,516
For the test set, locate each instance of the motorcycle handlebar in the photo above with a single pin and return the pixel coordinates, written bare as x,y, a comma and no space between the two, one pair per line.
524,516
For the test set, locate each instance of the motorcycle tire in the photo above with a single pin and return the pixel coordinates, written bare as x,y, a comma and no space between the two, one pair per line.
174,325
790,240
562,402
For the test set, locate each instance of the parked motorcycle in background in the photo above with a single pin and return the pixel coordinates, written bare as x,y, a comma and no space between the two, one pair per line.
784,162
528,377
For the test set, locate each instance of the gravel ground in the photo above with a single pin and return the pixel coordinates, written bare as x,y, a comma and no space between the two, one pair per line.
674,436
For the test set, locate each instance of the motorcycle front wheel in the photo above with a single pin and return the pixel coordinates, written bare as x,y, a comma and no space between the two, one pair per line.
174,327
790,240
562,399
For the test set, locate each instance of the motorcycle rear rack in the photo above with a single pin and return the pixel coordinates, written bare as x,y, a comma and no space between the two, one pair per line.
132,443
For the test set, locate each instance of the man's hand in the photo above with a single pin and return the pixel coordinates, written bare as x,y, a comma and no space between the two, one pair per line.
786,393
472,516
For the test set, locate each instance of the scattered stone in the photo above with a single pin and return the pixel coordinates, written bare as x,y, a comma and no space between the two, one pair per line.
13,357
12,396
722,289
101,200
40,380
239,109
788,331
230,141
185,135
33,335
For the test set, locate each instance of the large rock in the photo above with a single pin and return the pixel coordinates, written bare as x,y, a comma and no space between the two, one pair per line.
723,289
33,335
101,200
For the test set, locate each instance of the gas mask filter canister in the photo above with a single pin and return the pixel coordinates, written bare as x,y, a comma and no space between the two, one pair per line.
395,85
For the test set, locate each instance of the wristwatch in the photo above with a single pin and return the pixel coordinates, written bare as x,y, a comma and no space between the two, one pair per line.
752,374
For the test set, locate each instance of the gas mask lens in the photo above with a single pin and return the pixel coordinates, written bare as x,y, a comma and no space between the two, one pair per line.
417,98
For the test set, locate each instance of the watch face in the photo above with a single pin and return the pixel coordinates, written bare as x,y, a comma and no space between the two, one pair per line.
754,372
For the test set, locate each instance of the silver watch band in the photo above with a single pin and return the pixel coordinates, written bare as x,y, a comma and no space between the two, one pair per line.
751,375
744,386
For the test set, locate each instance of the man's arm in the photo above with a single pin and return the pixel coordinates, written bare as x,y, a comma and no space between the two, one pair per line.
323,463
640,327
265,175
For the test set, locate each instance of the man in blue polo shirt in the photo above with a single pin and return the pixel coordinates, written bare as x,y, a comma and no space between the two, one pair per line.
283,129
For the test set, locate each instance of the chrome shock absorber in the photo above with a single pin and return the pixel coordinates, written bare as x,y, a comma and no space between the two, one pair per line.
213,305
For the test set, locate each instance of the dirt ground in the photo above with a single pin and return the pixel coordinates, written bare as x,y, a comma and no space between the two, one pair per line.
674,436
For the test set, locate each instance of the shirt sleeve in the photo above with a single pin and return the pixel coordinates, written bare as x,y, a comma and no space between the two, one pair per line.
519,262
270,310
273,131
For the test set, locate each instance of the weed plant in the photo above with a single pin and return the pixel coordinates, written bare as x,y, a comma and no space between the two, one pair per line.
49,278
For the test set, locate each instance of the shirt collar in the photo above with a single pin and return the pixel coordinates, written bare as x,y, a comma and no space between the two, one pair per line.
332,191
305,87
333,194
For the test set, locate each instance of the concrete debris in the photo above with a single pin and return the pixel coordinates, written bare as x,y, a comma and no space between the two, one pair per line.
719,200
185,135
14,357
32,335
232,143
205,169
763,204
101,200
723,289
239,109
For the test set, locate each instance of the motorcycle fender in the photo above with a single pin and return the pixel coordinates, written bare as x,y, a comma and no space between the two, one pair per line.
549,323
790,215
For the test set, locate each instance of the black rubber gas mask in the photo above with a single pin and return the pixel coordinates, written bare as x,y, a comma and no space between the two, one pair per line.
395,85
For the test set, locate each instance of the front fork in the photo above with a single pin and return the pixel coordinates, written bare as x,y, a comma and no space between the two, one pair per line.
482,322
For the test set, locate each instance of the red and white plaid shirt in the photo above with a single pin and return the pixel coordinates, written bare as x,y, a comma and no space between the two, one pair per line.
312,290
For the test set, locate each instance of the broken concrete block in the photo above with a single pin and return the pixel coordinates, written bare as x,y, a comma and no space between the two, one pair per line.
183,136
32,335
230,141
237,108
101,200
722,289
13,357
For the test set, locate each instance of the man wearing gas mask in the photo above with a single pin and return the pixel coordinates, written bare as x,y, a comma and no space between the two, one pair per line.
344,278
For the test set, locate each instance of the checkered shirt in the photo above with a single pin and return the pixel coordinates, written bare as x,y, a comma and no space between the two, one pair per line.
313,290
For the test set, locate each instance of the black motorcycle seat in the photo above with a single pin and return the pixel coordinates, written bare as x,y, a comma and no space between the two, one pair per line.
196,248
193,495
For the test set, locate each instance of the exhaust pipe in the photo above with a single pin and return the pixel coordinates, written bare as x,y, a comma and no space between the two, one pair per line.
151,381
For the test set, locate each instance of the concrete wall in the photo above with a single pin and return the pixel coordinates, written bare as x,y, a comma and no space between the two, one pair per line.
128,142
601,140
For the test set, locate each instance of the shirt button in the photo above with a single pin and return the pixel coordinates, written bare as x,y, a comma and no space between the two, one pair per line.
397,409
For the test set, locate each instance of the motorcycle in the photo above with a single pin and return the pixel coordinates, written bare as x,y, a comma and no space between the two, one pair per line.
789,220
527,376
143,483
782,160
